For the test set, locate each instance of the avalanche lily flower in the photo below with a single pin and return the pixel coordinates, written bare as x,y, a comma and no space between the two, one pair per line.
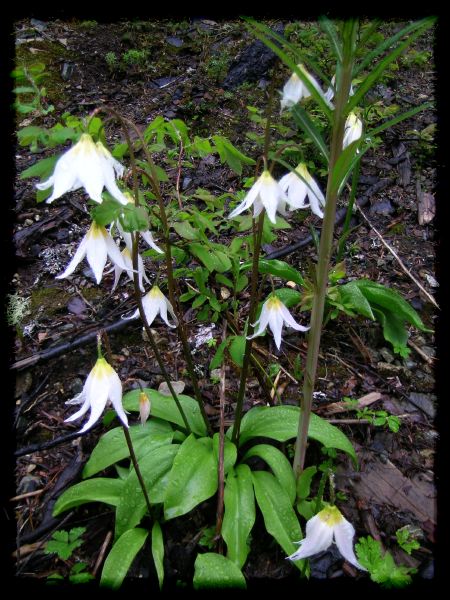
102,386
294,89
297,190
146,235
321,530
96,245
155,302
353,130
264,193
329,94
128,261
274,313
86,165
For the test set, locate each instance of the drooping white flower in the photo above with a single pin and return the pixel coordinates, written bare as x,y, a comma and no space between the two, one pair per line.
128,261
275,314
89,165
97,245
353,130
265,193
294,89
155,302
298,190
329,94
321,530
102,386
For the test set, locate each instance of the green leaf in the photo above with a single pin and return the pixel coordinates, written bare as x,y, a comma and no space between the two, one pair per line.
215,571
229,452
154,467
342,168
230,154
113,447
186,231
279,465
394,330
304,482
193,477
239,516
281,423
100,489
134,218
352,297
398,119
106,212
237,349
121,556
302,119
223,263
330,29
382,568
288,296
218,356
164,407
158,552
279,516
42,168
278,268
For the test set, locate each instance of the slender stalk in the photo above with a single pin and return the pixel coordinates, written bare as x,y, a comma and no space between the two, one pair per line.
221,467
251,318
326,242
136,468
348,215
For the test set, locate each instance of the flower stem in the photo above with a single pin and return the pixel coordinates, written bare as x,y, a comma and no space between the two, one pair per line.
136,468
254,295
326,242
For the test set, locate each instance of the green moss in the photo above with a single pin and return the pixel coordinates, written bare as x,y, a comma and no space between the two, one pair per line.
51,299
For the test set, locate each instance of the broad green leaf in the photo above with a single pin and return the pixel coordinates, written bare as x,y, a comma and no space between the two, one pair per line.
304,482
342,168
158,552
279,465
186,231
380,295
352,297
278,268
121,556
394,330
279,516
218,356
288,296
193,477
303,120
113,447
99,489
237,349
134,218
106,212
239,516
205,255
42,168
281,423
213,570
223,263
154,468
164,407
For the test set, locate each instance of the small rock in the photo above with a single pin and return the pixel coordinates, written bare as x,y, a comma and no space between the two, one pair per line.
76,386
387,355
383,207
178,387
186,183
175,42
76,305
424,402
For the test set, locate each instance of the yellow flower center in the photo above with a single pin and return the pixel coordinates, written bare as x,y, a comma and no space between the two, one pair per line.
331,516
96,230
126,252
85,145
155,292
273,303
102,369
303,171
266,177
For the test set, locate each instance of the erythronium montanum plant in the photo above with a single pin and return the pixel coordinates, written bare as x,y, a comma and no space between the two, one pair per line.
166,457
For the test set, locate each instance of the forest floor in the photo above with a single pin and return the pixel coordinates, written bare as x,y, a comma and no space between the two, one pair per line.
187,70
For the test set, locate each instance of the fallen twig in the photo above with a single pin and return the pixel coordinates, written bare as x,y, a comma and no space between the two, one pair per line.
102,553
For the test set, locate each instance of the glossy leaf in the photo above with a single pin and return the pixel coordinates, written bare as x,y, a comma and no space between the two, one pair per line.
100,489
288,296
121,556
239,516
279,465
164,407
213,570
279,516
155,467
113,447
281,423
158,552
237,349
354,299
278,268
193,477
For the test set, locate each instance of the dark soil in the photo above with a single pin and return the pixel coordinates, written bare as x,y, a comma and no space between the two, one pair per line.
191,71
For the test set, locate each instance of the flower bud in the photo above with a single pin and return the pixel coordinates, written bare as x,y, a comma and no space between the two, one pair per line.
144,407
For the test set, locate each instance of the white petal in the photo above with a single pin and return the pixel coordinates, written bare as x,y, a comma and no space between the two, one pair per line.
77,258
344,533
151,308
147,236
269,194
96,255
247,201
115,395
110,181
117,273
276,325
114,252
318,538
289,319
261,322
297,193
83,410
164,305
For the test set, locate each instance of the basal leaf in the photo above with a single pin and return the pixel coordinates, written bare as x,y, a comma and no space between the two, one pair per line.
121,556
279,465
99,489
213,570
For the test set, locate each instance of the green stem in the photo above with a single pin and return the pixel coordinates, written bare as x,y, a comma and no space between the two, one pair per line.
348,215
251,318
137,469
326,242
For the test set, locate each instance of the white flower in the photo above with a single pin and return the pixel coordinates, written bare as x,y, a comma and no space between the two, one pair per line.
294,89
297,190
96,245
353,130
86,165
155,302
102,386
264,193
327,526
329,94
128,261
274,313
